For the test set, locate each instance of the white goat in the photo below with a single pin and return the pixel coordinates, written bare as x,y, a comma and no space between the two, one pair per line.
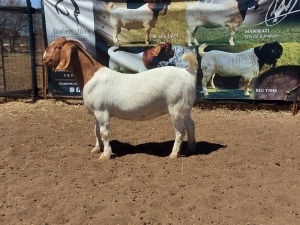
247,63
142,17
142,96
123,60
230,14
228,64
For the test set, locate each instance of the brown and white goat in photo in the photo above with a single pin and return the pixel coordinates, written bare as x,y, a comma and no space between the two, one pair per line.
230,13
121,58
144,17
107,93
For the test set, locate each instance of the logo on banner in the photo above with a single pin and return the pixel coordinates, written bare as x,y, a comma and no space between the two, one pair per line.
278,10
65,12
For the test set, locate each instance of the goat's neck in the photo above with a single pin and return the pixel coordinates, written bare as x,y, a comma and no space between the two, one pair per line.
83,67
156,10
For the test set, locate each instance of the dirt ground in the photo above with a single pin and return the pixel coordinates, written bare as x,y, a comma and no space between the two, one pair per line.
245,171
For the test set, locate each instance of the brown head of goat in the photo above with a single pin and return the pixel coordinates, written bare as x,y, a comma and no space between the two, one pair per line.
71,55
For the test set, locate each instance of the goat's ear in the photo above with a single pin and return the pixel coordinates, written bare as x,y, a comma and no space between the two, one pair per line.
156,50
67,51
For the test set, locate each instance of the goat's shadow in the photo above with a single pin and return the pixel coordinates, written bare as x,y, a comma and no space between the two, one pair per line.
162,149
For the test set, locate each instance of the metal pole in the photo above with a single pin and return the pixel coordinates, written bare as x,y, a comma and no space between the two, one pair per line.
32,53
3,67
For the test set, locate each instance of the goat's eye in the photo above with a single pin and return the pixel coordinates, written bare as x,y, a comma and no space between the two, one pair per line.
58,47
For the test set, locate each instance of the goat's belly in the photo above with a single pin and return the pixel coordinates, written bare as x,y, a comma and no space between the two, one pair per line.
212,24
140,115
132,24
206,21
226,72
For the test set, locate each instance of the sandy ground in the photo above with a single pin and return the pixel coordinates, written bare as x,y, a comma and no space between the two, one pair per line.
245,171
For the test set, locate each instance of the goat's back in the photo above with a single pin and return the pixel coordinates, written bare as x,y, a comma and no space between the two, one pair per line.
125,14
212,15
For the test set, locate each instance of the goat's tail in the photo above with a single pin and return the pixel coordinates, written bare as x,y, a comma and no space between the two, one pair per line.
201,49
110,6
192,60
112,49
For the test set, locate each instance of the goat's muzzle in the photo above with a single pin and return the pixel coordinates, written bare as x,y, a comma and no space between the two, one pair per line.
48,62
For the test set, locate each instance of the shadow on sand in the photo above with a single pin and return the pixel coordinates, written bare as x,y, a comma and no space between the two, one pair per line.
162,149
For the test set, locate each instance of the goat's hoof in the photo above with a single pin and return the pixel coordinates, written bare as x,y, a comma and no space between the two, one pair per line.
231,44
173,156
105,156
95,150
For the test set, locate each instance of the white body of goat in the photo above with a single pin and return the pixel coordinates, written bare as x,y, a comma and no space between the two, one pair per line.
228,64
228,14
142,96
141,18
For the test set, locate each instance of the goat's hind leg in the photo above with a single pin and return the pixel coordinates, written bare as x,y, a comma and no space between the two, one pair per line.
116,32
189,37
212,83
190,129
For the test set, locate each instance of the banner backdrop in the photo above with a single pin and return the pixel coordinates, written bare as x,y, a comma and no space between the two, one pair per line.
246,49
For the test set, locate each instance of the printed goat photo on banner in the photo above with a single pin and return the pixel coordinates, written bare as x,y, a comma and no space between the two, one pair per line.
239,44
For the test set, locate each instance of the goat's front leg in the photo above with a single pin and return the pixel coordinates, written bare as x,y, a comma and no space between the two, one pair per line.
147,30
246,88
206,78
102,119
232,30
180,132
99,144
